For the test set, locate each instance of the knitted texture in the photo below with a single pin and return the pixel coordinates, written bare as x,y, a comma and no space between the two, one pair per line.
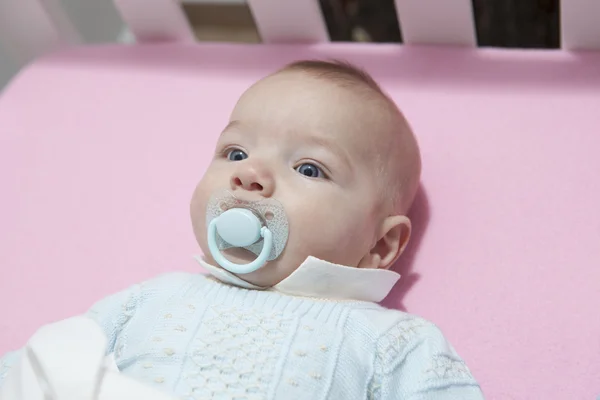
198,338
6,362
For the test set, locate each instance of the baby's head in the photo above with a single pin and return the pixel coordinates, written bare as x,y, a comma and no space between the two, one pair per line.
326,142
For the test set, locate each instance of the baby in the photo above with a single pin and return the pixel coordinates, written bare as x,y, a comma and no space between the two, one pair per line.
329,153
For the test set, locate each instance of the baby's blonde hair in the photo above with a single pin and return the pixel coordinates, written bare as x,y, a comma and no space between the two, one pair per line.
399,163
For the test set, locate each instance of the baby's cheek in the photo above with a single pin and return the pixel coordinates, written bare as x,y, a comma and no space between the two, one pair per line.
198,206
328,234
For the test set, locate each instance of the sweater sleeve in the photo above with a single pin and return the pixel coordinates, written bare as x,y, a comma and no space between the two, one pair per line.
415,362
6,362
111,313
114,312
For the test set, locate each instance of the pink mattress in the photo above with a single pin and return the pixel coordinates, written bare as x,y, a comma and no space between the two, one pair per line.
100,149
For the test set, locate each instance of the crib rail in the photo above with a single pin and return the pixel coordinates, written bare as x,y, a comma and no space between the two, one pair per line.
155,20
437,22
289,21
580,24
29,28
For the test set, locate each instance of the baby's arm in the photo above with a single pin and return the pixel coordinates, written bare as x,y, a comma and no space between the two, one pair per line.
6,362
111,313
114,312
416,362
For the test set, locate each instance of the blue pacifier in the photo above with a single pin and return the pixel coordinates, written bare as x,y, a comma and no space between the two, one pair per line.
258,226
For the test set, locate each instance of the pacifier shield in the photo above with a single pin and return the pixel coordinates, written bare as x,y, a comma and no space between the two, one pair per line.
270,213
239,227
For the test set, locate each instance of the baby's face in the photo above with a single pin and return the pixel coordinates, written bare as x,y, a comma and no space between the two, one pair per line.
312,146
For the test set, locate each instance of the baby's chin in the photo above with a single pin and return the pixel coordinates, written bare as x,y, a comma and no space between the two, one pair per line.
239,255
266,276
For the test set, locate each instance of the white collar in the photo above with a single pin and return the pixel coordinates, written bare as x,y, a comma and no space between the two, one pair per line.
322,279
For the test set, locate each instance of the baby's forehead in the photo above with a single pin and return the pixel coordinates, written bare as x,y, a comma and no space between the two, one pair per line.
300,104
294,96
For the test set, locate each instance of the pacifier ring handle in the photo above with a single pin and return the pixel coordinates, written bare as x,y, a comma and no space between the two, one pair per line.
232,267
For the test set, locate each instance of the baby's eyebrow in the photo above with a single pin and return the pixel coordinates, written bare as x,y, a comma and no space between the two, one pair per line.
330,145
232,124
231,128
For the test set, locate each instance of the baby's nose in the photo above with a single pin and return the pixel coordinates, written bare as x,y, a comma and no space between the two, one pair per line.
253,179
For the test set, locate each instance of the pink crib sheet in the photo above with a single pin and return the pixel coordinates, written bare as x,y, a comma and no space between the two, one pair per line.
100,149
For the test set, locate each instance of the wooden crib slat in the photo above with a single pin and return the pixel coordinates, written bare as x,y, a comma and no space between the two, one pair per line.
29,28
289,21
437,22
155,20
580,24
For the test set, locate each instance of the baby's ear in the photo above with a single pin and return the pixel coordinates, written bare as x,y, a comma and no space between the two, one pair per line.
393,236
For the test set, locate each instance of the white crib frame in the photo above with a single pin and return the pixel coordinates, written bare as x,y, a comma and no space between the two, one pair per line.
30,28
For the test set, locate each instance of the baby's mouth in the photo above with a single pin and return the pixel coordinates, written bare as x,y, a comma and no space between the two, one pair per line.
244,234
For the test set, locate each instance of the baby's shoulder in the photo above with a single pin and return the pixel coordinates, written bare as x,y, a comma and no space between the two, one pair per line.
381,322
411,351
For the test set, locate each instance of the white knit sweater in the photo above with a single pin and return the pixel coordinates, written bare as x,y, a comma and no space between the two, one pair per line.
200,338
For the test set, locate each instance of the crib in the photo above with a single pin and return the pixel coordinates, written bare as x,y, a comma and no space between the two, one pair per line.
101,146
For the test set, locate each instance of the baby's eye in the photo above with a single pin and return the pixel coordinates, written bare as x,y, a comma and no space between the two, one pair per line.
310,170
236,155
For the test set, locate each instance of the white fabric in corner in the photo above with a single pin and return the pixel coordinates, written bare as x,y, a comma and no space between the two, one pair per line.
65,361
